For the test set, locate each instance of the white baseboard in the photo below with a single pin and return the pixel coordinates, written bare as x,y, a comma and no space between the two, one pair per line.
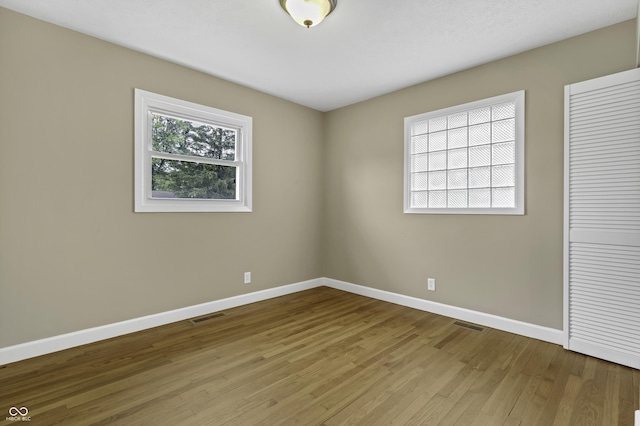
546,334
82,337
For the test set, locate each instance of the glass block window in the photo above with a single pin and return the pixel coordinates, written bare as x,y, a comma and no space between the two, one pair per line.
467,159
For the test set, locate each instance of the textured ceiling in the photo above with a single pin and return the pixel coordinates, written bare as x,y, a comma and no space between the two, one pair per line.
365,48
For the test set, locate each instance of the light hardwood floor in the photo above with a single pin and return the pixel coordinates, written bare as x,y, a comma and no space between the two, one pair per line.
320,357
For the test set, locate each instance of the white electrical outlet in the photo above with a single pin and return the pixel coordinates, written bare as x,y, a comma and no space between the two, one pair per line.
247,277
431,284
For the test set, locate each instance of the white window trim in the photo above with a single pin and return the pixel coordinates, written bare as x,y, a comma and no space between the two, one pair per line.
147,103
519,209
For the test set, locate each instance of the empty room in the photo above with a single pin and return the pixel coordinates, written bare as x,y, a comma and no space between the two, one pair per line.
320,212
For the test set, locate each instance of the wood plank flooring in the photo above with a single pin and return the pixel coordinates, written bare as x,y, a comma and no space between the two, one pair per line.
320,357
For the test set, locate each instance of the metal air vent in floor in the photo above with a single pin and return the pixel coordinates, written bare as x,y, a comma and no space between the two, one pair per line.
206,318
469,326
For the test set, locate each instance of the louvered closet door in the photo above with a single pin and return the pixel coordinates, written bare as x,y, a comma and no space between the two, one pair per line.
602,217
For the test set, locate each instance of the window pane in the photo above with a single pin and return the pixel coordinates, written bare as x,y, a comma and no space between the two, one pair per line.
419,128
480,177
503,176
184,179
419,199
457,199
185,137
480,156
500,112
438,160
457,120
437,124
457,138
479,198
457,158
504,153
438,199
503,131
480,134
418,181
419,144
438,180
503,197
457,179
419,163
480,115
437,141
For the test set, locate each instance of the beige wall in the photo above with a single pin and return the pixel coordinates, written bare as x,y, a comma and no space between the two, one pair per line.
509,266
73,254
327,191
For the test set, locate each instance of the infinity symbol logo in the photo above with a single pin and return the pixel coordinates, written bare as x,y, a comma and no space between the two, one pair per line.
22,411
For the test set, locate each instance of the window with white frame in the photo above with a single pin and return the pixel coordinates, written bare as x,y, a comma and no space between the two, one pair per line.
467,159
190,157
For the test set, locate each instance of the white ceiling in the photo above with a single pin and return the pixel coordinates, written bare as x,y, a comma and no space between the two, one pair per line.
365,48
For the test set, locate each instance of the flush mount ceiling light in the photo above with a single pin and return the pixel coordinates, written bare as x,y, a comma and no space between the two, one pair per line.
308,13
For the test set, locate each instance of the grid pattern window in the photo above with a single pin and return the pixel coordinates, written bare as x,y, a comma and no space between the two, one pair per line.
467,159
190,157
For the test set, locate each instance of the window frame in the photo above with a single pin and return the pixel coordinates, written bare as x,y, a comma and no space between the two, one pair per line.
148,103
518,98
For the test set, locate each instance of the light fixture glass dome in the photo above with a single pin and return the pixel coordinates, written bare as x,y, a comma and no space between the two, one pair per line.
308,13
